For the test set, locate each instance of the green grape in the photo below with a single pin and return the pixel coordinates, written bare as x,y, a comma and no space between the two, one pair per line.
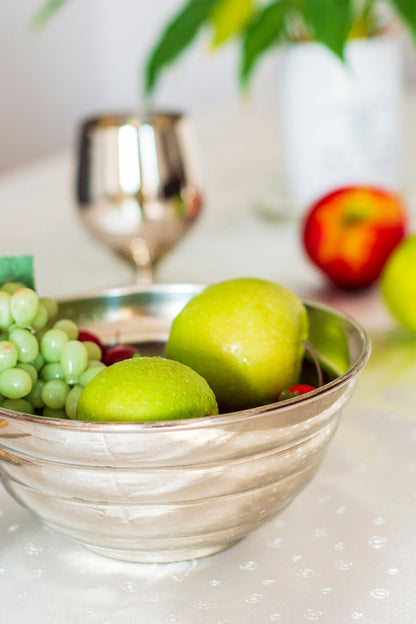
89,374
52,370
41,317
72,401
93,350
38,362
69,327
54,393
8,355
51,344
74,360
6,318
50,305
41,332
18,405
11,287
26,344
29,368
35,395
24,305
49,412
15,383
94,363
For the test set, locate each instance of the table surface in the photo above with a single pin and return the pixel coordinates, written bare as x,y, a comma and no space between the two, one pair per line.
345,550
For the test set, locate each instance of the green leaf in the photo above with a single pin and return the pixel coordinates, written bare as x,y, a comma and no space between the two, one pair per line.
262,33
46,12
17,269
175,38
365,19
229,17
407,11
330,21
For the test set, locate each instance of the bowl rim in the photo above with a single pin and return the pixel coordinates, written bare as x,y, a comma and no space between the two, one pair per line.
201,421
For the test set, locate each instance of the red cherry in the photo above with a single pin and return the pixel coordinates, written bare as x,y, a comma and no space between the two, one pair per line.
119,353
294,391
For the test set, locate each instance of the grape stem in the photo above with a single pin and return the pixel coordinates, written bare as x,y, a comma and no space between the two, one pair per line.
315,360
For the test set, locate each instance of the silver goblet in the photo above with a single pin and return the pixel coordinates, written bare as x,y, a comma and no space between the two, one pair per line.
136,184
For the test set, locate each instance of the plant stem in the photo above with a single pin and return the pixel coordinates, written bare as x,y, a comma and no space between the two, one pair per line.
315,360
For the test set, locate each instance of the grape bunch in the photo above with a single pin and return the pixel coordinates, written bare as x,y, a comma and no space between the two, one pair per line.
44,363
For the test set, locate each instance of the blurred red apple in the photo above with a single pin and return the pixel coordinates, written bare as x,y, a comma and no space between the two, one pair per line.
350,233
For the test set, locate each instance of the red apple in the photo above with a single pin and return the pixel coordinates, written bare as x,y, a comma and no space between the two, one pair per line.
350,233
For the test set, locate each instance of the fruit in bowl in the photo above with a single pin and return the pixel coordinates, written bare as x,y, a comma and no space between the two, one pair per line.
178,489
240,342
350,233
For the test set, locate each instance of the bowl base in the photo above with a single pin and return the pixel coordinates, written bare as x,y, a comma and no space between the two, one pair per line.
161,556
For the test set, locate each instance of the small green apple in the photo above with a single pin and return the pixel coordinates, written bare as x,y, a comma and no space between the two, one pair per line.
146,389
245,337
398,283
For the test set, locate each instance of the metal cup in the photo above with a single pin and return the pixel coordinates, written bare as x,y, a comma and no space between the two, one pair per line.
136,185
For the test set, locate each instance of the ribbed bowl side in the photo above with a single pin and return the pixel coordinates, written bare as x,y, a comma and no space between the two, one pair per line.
120,526
151,507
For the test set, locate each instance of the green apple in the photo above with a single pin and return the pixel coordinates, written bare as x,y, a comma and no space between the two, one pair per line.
398,283
146,389
245,337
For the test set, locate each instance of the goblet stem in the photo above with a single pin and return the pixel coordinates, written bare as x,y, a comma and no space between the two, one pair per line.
143,275
143,262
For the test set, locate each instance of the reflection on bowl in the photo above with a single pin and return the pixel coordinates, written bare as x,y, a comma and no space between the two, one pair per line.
174,490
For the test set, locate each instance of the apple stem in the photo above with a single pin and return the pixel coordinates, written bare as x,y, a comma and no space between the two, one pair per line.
315,360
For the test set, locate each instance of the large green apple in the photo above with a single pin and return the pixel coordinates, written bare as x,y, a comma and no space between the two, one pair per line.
244,336
398,283
145,389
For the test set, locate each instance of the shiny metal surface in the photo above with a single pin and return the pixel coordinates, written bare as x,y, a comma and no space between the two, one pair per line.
137,188
180,489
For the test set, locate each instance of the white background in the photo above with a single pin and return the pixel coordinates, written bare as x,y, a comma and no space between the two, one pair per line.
88,60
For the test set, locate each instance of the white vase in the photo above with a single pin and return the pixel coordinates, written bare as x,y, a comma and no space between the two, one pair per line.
341,123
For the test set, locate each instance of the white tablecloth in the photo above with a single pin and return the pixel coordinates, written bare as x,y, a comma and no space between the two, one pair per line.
345,550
